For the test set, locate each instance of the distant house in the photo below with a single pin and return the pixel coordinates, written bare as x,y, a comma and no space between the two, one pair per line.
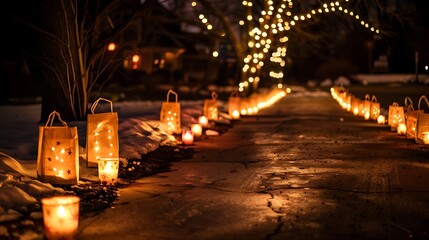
155,45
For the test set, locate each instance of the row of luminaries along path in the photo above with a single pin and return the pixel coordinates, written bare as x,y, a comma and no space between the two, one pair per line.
58,149
405,120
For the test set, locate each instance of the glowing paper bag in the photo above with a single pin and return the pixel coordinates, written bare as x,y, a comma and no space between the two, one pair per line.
355,105
410,121
210,109
234,105
58,153
396,116
408,102
375,108
170,113
102,140
348,102
411,117
422,123
366,110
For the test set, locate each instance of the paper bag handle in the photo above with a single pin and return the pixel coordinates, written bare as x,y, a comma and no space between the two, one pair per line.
52,117
94,105
395,104
424,98
410,108
214,95
173,92
373,99
408,101
367,97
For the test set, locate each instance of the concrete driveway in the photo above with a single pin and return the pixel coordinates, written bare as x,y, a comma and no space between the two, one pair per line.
302,169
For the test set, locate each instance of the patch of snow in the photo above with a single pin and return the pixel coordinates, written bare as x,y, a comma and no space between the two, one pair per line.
210,132
14,197
297,88
140,132
312,83
390,78
326,83
342,81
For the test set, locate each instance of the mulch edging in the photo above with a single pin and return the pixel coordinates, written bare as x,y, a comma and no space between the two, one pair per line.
95,197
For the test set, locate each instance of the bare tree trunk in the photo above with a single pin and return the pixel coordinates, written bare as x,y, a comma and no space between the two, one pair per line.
71,49
64,86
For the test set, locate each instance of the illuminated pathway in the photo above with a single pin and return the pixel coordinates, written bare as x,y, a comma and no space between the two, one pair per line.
295,171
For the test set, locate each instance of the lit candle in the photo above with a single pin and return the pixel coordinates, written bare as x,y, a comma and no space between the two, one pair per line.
187,137
426,137
197,129
402,129
203,121
61,216
366,116
235,114
381,120
356,111
108,170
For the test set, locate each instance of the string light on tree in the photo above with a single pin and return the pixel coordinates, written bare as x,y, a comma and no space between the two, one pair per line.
267,38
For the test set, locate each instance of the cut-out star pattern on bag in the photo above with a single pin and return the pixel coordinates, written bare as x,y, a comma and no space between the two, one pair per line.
57,156
59,159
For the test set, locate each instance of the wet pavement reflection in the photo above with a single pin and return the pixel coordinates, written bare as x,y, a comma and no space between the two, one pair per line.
301,169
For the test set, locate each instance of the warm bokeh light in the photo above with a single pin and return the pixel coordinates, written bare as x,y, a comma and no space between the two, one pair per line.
135,58
197,129
366,115
235,114
426,137
381,120
111,47
402,129
203,121
268,31
187,137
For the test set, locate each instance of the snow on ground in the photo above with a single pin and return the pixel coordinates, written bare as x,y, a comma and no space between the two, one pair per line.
366,79
140,131
390,78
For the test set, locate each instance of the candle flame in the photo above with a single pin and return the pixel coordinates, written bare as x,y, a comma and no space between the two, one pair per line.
61,212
